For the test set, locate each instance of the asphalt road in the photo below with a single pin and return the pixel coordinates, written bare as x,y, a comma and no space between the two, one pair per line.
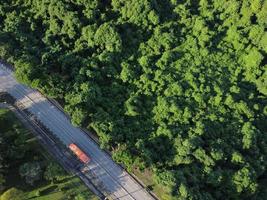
109,177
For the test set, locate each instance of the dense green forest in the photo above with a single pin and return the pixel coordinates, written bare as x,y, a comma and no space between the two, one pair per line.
29,172
175,86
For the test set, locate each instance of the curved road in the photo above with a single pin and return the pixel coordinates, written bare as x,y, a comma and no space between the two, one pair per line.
110,177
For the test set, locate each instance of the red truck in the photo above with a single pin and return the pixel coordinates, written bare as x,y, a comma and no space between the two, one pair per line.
79,153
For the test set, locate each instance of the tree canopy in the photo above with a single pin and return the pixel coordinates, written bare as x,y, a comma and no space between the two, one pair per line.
175,86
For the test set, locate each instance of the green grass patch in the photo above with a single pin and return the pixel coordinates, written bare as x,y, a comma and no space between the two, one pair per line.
146,177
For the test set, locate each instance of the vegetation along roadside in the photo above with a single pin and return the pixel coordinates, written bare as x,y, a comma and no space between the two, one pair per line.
176,90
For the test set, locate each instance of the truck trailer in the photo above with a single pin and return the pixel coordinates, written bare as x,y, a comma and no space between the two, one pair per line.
79,153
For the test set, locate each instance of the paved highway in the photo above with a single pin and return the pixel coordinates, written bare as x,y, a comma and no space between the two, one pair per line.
109,177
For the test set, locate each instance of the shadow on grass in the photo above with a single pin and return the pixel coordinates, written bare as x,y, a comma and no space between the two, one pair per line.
64,180
49,190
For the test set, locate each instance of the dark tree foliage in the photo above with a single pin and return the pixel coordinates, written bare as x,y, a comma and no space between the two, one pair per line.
176,86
